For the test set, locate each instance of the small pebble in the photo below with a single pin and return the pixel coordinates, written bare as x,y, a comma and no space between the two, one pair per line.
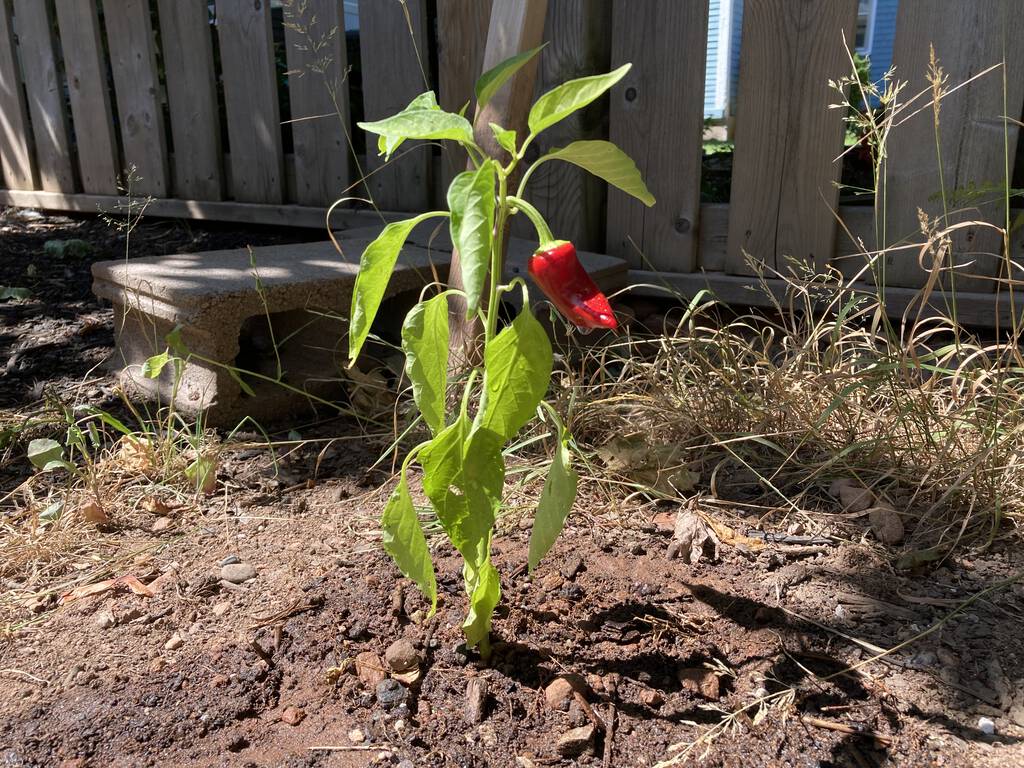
575,742
105,620
174,643
221,608
356,736
236,573
401,656
986,726
391,693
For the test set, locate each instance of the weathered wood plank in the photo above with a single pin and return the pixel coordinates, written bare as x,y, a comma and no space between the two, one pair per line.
187,47
784,174
573,202
318,90
86,72
137,92
18,170
657,115
396,68
968,38
37,47
250,98
461,37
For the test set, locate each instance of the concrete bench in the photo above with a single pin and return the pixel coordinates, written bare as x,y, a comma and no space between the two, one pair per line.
262,310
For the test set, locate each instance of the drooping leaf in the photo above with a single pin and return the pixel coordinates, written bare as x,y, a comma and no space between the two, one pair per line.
375,268
386,145
491,80
608,162
555,502
471,201
482,602
425,341
420,120
505,137
152,368
517,363
403,539
463,476
44,451
560,102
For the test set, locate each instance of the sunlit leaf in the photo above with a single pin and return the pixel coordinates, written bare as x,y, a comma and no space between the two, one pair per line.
482,602
375,268
608,162
492,80
43,451
505,137
562,101
403,539
555,502
152,368
425,341
471,201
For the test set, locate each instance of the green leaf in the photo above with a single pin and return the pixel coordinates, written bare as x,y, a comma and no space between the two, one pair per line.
153,366
482,601
491,80
425,341
403,539
608,162
43,451
52,513
202,473
505,137
471,201
12,292
517,364
464,476
375,268
560,102
419,123
555,502
387,145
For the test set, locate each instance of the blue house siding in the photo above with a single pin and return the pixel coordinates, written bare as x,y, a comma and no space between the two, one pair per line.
884,33
723,57
711,108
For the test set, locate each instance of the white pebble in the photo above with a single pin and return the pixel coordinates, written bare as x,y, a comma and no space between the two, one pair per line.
986,726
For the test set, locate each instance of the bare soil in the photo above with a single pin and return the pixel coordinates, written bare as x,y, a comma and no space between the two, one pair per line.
662,653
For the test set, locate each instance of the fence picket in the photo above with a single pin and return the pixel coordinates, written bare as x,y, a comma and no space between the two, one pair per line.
86,72
461,37
968,38
657,114
37,47
396,68
187,49
136,90
787,138
317,61
250,97
16,166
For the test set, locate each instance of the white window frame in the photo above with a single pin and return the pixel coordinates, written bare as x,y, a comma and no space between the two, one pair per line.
869,32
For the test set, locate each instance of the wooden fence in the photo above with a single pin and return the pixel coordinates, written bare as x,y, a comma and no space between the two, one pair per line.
193,95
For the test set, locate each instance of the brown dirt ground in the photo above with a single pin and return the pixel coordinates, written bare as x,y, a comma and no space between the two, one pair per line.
208,673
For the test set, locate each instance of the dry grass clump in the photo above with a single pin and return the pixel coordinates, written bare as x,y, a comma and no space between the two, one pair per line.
929,417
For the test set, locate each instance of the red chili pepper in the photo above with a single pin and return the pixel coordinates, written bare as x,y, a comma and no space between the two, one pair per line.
557,270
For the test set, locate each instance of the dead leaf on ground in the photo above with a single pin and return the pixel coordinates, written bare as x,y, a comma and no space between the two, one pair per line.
697,537
659,467
128,580
156,506
852,495
92,512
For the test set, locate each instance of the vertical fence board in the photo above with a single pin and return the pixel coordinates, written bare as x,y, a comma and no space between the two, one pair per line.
37,47
15,151
392,77
657,116
137,91
968,38
187,48
461,37
86,71
250,96
317,61
579,44
784,174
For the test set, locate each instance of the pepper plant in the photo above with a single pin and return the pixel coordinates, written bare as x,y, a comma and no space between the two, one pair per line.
463,467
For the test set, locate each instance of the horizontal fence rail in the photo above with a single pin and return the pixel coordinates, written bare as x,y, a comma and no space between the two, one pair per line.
244,110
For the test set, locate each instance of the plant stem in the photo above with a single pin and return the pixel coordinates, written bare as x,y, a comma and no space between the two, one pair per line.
497,248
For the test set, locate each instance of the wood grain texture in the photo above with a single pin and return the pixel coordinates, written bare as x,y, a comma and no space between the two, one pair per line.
317,63
86,71
787,139
137,91
45,89
968,38
250,98
572,201
393,48
461,38
657,116
16,164
186,40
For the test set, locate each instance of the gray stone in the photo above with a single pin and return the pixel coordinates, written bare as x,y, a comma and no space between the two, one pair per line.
575,742
213,299
391,693
236,573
